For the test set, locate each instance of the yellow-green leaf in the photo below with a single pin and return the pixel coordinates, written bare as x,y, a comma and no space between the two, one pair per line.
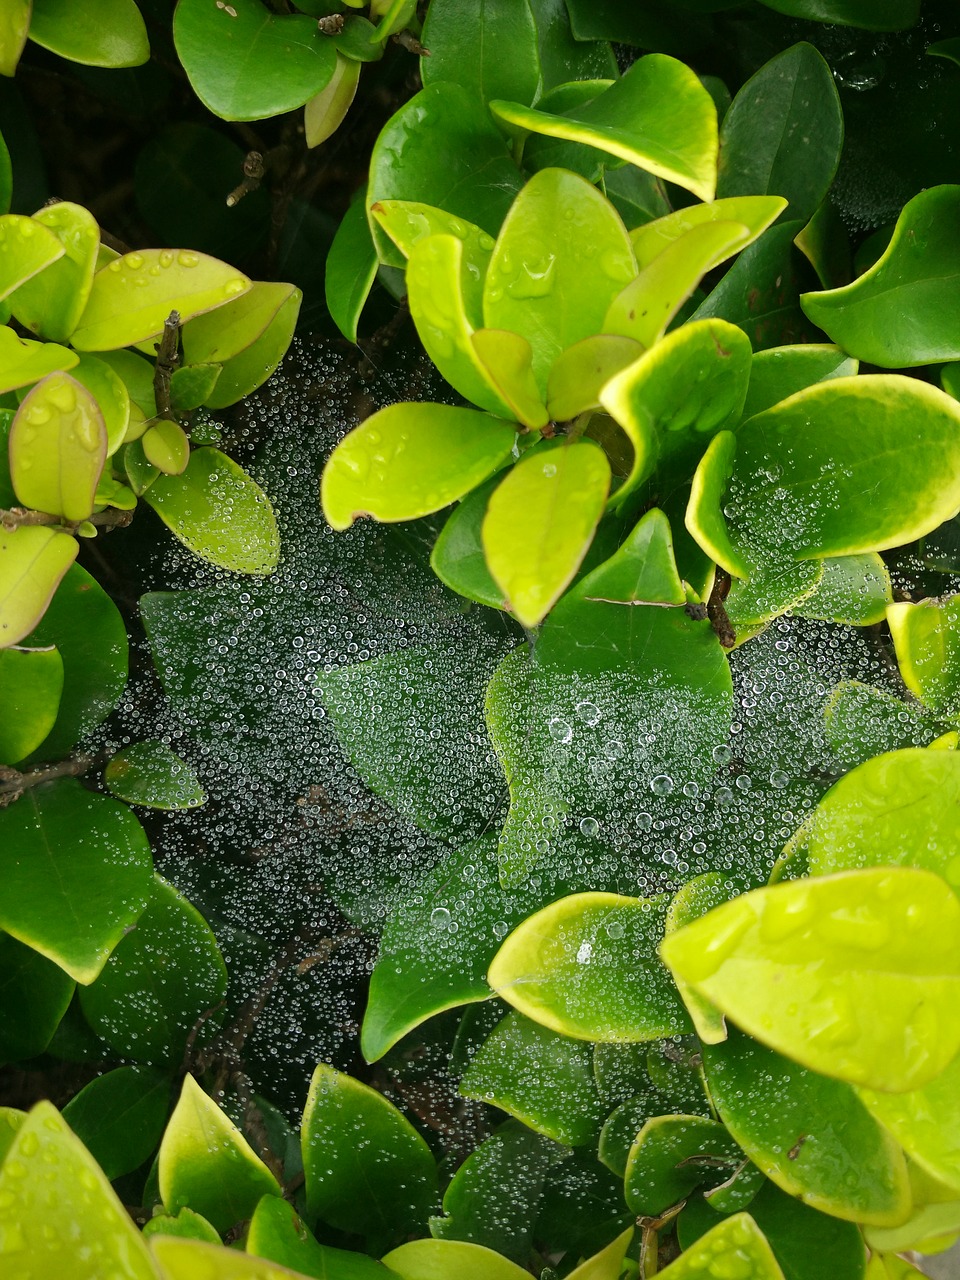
324,113
507,360
14,24
166,447
441,1259
926,1122
608,1263
926,637
580,373
58,445
31,682
23,361
26,247
110,392
51,302
755,213
33,560
855,975
735,1247
185,1259
250,368
131,297
217,336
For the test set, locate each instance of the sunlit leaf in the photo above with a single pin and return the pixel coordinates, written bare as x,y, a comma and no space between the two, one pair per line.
33,561
926,637
58,444
925,1121
737,1242
28,247
580,373
756,213
14,24
52,302
439,1259
192,1259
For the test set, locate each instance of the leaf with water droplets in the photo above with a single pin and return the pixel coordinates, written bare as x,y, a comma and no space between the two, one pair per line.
33,560
278,1234
561,240
219,512
852,590
78,873
926,637
31,682
440,1259
131,297
587,966
367,1169
657,116
218,44
925,1121
674,398
735,1247
831,972
51,302
673,1154
780,372
754,213
540,521
408,460
149,773
49,1176
98,33
28,247
407,222
58,445
207,1164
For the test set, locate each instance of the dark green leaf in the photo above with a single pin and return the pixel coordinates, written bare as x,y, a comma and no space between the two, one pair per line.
350,270
149,773
489,48
31,682
277,1233
119,1117
34,995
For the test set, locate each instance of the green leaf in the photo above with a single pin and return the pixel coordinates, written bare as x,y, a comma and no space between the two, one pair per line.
853,590
10,1121
120,1117
587,966
350,269
755,213
23,361
325,111
926,637
827,971
207,1165
111,395
489,48
544,1079
810,1135
367,1169
166,446
217,336
861,722
540,522
165,976
192,1259
91,638
440,1259
192,385
780,372
693,900
671,1156
149,773
28,248
676,396
250,368
441,148
136,374
277,1233
219,512
407,222
99,33
608,1263
408,460
133,295
58,445
580,373
507,360
217,47
49,1176
657,116
78,872
139,472
561,239
871,15
31,683
457,557
783,133
494,1197
33,561
841,491
773,589
925,1121
14,24
34,995
52,301
186,1224
913,277
897,809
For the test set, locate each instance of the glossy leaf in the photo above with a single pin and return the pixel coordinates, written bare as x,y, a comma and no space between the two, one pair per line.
149,773
736,1242
58,445
52,302
861,722
14,24
410,459
827,971
561,239
294,60
645,308
136,374
367,1169
186,1259
810,1135
580,373
166,446
925,1121
911,278
325,111
185,1224
407,222
207,1165
657,116
926,637
217,336
441,148
31,683
78,872
91,638
457,557
586,966
439,1259
783,133
608,1263
111,395
34,995
219,512
676,396
277,1233
100,33
23,361
507,360
489,48
755,213
243,373
192,385
49,1176
28,248
120,1117
780,372
671,1156
540,522
693,900
350,270
872,15
544,1079
854,590
131,297
10,1121
163,978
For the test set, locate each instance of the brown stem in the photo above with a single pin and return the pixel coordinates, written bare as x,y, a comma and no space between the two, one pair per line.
168,358
716,612
13,783
254,168
12,518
